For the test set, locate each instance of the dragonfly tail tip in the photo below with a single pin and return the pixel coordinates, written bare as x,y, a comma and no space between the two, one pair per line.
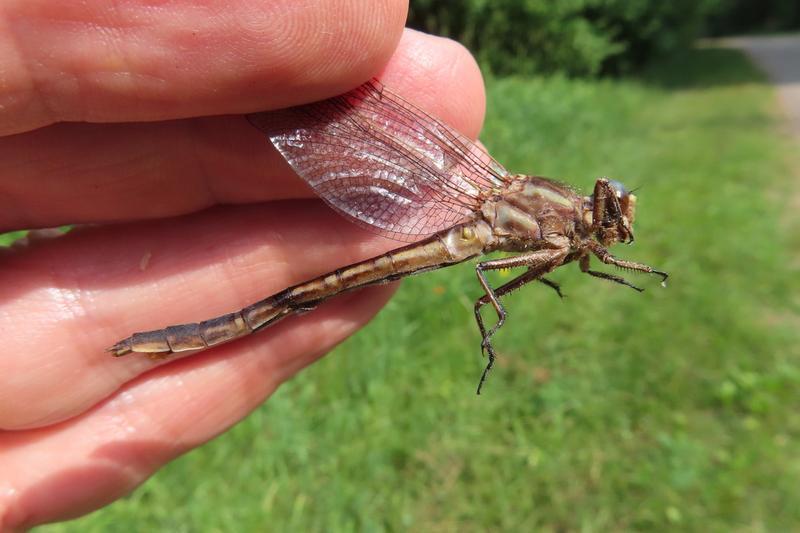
119,349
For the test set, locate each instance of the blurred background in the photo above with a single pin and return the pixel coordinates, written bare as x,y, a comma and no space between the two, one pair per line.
676,408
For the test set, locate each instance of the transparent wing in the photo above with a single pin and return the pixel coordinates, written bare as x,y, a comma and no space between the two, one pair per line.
383,162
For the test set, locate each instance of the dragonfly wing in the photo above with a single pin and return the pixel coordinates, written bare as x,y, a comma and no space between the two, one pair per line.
383,162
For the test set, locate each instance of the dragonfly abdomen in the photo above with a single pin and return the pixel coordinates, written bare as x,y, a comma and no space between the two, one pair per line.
452,246
198,335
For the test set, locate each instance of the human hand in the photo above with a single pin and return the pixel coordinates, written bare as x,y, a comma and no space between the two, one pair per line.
127,114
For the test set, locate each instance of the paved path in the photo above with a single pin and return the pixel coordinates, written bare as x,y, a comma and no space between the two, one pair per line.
779,57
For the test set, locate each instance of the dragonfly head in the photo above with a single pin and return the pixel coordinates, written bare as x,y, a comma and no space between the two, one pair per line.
617,212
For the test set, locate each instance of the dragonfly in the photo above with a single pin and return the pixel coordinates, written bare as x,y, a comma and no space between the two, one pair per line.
400,172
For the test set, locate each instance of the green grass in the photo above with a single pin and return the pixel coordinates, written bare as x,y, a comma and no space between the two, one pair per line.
610,410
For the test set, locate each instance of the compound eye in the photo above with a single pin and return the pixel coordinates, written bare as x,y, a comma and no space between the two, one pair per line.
619,188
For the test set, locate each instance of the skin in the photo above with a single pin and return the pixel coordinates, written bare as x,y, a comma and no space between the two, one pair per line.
127,113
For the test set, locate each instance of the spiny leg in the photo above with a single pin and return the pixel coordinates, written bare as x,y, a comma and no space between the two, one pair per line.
553,285
538,263
614,278
514,284
603,275
606,257
504,289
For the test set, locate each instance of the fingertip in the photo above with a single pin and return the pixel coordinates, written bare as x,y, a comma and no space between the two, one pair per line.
441,76
187,58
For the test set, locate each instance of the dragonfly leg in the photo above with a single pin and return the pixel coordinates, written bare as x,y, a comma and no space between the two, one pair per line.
512,285
603,275
492,297
605,256
538,263
486,345
614,278
553,285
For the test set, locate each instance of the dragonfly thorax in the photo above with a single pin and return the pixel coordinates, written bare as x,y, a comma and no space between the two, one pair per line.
531,212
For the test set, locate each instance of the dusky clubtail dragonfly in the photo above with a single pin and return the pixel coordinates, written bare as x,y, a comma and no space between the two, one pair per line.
389,166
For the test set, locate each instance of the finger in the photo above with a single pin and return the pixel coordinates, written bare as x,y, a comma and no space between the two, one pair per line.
90,62
93,173
64,300
69,469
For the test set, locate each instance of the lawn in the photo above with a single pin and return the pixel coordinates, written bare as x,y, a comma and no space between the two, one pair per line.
609,410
